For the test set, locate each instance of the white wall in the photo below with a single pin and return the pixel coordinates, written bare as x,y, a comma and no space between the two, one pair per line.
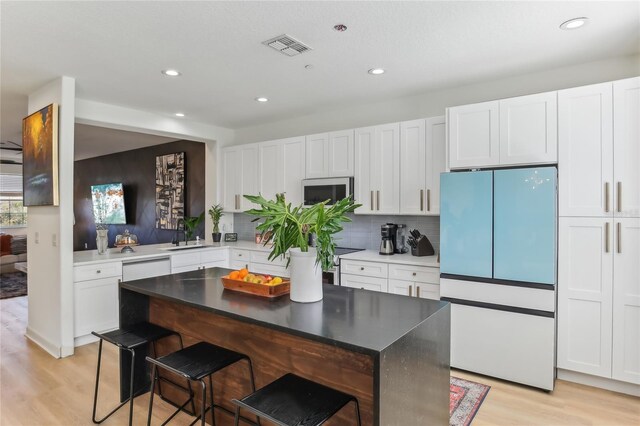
434,103
116,117
50,235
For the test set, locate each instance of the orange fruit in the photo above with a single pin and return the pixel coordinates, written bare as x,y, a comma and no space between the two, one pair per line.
234,275
243,272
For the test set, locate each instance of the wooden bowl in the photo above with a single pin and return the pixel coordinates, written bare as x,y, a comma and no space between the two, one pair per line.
263,290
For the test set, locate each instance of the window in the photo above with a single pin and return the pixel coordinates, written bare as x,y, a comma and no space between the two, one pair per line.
12,212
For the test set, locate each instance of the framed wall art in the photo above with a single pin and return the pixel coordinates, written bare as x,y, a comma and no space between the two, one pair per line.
40,157
170,179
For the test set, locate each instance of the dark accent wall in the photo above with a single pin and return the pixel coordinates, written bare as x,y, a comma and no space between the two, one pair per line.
136,170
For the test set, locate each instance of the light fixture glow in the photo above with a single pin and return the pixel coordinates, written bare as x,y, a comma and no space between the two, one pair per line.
574,23
171,73
376,71
262,99
179,114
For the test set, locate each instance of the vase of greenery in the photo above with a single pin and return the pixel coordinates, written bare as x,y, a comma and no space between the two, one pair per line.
215,212
190,225
290,228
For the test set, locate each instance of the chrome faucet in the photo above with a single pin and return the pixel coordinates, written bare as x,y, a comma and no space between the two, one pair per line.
179,229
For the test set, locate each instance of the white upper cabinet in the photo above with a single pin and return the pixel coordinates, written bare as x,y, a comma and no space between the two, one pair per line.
293,168
413,176
330,154
274,176
377,169
585,160
473,135
341,153
422,159
528,129
240,174
626,143
317,156
436,130
508,132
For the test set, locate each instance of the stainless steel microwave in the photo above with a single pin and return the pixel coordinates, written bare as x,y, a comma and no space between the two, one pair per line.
316,191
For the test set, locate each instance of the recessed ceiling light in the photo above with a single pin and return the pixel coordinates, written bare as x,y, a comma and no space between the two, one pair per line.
171,73
261,99
574,23
376,71
179,114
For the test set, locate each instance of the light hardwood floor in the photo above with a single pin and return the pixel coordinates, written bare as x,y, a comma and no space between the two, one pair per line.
36,389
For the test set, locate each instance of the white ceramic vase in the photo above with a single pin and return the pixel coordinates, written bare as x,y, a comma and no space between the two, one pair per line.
306,276
102,240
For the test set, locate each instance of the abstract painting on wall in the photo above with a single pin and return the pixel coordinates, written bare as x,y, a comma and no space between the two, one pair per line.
170,176
40,157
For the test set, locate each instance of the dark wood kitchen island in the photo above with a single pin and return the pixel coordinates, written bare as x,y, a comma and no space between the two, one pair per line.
391,352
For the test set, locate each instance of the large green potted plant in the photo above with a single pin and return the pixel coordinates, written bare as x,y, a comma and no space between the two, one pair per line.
290,228
215,212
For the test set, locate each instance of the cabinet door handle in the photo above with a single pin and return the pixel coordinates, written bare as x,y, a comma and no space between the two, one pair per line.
428,200
606,237
418,291
371,200
240,255
606,197
619,236
378,200
410,290
98,271
414,274
362,268
619,197
422,200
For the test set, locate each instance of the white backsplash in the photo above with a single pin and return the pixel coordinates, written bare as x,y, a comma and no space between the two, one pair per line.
362,232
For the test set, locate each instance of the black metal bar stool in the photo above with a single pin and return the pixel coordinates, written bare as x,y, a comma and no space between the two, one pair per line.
128,339
292,401
196,363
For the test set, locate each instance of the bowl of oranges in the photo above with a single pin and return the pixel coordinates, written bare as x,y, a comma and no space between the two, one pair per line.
253,283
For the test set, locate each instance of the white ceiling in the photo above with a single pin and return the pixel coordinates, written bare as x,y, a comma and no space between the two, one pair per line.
116,50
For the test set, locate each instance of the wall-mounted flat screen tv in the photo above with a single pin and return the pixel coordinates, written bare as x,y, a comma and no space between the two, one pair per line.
108,204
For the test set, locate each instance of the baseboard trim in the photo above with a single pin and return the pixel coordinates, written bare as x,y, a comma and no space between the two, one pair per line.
53,349
84,340
599,382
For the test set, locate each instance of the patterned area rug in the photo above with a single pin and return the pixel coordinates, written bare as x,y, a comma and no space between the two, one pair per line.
465,400
13,284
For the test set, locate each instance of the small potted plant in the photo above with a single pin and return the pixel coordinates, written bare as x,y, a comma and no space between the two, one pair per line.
290,228
190,225
215,212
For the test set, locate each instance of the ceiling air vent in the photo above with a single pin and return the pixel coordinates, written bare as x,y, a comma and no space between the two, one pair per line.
287,45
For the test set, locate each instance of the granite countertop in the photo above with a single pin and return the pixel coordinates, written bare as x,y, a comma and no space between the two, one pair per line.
153,251
402,259
358,320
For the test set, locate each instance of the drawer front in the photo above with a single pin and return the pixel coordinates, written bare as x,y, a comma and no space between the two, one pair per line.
185,259
209,256
238,264
216,264
102,270
274,270
362,282
263,257
244,255
187,268
368,269
421,274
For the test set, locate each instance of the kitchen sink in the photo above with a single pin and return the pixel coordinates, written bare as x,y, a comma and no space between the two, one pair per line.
178,248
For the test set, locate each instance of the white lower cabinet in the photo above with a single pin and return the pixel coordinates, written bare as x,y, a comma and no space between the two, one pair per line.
599,297
195,259
408,280
96,298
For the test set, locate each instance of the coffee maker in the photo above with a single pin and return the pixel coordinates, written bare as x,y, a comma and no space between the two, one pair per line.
388,243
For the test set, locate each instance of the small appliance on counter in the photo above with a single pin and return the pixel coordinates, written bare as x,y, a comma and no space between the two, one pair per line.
420,244
401,239
388,243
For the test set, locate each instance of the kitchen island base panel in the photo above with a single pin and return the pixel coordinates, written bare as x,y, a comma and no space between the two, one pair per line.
273,354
